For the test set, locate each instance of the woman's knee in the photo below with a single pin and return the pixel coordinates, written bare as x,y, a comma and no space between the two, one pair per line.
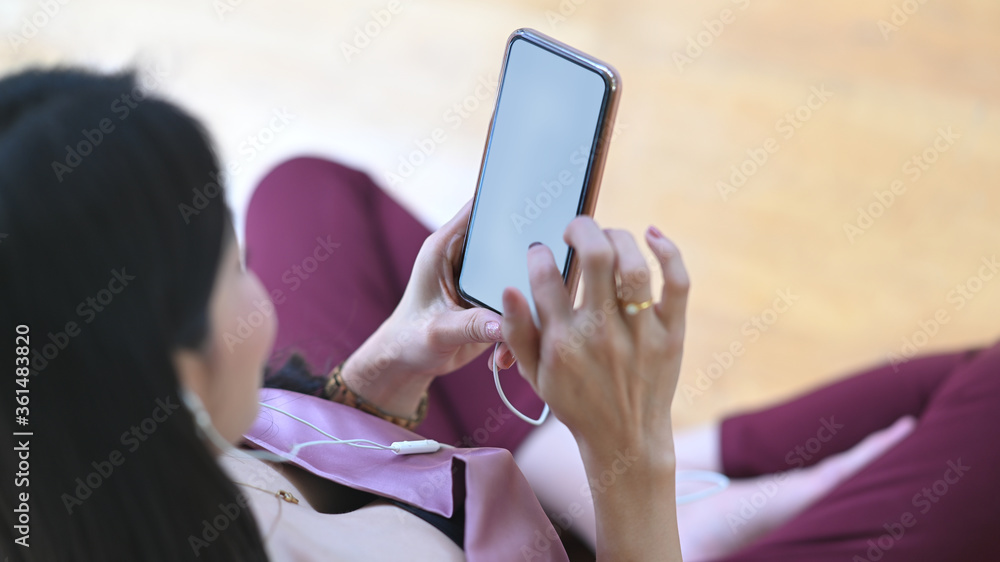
312,177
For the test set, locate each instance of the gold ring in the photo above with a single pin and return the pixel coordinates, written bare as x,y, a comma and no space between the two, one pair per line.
633,308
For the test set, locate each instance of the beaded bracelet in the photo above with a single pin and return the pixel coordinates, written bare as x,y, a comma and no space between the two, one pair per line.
338,391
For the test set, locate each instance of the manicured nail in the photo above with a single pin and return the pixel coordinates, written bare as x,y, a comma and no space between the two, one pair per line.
493,330
507,360
655,232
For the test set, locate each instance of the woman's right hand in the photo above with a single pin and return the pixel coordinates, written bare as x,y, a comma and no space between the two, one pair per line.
610,377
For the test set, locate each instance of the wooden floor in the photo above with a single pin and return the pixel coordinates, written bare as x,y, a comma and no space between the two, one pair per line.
838,269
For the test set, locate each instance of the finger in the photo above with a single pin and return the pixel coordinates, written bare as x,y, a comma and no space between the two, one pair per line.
676,283
503,356
520,333
472,325
507,358
547,286
597,260
631,267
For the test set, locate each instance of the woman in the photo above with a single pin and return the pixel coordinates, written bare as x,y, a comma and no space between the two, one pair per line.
121,260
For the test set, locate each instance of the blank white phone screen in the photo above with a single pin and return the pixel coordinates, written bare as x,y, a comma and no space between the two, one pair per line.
536,163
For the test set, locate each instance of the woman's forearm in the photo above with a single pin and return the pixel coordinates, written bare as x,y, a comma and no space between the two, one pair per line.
633,488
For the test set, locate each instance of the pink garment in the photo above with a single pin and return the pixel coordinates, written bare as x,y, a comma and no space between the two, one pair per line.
503,519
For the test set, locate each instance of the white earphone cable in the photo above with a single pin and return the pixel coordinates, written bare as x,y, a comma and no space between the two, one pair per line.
204,422
720,482
503,397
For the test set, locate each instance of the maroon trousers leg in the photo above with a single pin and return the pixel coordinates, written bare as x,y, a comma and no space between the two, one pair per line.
335,252
929,498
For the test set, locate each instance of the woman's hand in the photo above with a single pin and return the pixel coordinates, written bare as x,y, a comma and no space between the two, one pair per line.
610,377
430,333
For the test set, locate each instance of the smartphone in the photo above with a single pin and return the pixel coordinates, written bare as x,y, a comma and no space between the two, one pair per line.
541,167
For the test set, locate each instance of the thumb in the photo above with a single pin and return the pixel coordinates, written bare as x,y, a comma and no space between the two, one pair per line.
473,325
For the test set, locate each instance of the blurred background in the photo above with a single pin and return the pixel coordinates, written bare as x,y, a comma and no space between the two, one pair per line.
829,169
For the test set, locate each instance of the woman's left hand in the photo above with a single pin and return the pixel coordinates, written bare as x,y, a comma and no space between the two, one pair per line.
445,333
431,332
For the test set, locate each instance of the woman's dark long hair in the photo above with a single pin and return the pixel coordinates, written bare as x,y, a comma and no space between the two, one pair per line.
112,225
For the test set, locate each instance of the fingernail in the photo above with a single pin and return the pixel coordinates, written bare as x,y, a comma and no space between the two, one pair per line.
493,330
533,244
655,232
507,359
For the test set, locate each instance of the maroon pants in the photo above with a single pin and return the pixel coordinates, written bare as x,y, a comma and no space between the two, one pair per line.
930,498
335,252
